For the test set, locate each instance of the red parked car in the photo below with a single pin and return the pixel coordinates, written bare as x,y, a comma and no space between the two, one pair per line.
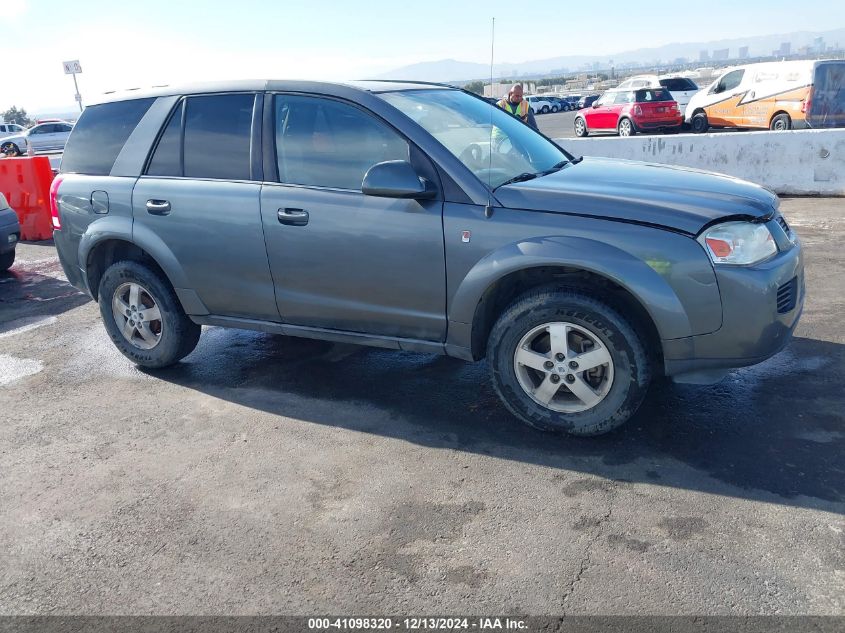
627,112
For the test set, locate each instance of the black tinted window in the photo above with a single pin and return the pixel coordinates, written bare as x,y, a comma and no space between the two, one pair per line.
166,160
99,135
678,84
653,94
326,143
217,136
731,80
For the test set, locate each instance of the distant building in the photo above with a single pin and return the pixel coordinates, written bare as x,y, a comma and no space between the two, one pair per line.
819,45
704,56
721,54
784,50
743,52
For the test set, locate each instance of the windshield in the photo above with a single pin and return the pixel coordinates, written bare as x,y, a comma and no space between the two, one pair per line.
462,123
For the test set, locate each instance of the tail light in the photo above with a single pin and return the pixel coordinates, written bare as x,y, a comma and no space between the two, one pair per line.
54,203
675,106
807,104
638,110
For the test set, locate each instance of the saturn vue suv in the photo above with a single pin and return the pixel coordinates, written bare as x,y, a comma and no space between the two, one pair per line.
418,217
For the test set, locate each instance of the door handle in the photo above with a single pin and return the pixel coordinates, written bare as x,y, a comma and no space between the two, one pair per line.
293,217
158,207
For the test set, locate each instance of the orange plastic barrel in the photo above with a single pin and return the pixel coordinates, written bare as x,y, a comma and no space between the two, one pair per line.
25,182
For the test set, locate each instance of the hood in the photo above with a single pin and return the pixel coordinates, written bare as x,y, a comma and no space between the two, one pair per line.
674,197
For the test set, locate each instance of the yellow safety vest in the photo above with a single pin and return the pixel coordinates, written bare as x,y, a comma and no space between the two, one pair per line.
520,110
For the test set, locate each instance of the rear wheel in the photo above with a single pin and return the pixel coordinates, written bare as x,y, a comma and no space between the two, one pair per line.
699,123
563,361
626,128
6,261
143,316
581,127
780,123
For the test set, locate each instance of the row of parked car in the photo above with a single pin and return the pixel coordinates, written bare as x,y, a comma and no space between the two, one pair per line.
770,95
47,136
543,104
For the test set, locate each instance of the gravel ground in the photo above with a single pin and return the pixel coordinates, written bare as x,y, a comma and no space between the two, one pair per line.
272,475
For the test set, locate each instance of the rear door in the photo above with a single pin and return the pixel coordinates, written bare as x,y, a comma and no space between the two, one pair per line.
343,260
200,196
39,137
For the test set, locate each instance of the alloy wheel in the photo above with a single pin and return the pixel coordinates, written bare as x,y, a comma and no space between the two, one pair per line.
564,367
137,315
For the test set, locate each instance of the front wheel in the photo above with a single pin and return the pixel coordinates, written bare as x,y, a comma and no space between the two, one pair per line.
545,110
143,316
563,361
10,149
699,123
581,127
626,128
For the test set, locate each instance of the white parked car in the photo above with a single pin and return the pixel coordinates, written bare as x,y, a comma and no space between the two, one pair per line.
681,88
44,137
10,128
539,105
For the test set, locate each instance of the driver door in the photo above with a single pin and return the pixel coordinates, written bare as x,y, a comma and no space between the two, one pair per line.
340,259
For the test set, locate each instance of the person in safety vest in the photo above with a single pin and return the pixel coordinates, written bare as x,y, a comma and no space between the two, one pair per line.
515,105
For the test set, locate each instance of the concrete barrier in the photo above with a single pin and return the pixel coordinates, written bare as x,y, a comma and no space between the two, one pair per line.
799,162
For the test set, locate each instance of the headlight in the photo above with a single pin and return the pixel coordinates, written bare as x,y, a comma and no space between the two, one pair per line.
738,243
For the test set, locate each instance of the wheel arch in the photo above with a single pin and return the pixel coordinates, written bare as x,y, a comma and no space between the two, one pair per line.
113,241
627,283
777,113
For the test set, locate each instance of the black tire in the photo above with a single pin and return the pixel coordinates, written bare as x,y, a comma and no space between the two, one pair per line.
581,130
780,123
632,372
621,126
178,334
554,109
6,261
545,110
699,123
10,149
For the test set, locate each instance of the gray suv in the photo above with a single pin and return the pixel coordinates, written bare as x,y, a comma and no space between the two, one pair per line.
419,217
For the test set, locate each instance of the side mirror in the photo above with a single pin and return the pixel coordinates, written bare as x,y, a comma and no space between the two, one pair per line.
396,179
596,103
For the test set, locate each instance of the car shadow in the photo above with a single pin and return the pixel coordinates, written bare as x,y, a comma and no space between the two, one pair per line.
773,432
36,287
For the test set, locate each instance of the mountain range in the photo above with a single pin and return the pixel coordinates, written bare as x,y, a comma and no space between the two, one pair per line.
455,70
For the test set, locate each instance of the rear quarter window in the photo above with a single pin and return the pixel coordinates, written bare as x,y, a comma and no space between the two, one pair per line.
100,134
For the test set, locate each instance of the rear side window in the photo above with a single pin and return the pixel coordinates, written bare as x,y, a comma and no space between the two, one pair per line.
100,134
215,142
678,84
655,94
167,160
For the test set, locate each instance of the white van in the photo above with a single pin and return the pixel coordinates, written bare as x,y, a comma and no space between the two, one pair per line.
772,95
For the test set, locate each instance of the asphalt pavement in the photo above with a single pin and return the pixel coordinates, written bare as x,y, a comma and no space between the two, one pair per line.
266,474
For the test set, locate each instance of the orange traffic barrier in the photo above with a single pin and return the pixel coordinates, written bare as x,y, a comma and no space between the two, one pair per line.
26,182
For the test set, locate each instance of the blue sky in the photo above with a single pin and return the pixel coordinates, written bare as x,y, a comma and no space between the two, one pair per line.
138,43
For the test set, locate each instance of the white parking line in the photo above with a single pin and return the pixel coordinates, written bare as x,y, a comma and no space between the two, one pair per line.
13,369
19,326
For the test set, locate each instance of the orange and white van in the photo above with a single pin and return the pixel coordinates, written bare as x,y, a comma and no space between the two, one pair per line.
772,95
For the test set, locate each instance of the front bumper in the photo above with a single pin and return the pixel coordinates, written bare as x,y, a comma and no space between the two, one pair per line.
761,306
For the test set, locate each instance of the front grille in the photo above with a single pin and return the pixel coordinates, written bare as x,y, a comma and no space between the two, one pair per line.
788,296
